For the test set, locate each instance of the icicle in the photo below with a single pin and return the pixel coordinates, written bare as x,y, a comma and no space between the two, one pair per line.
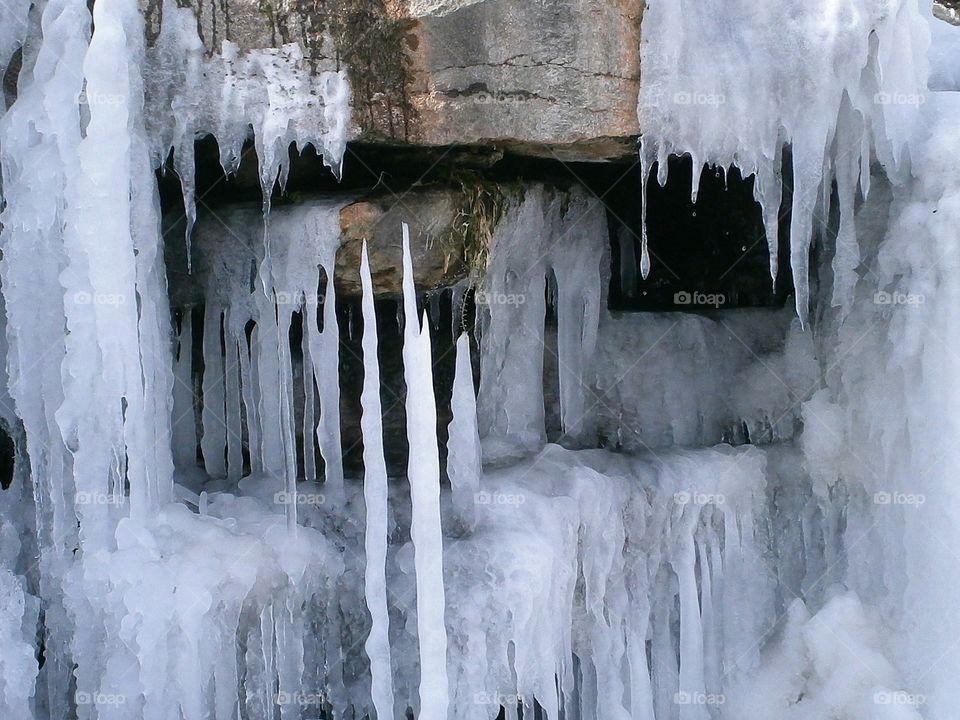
692,683
433,308
232,404
269,408
768,191
214,440
847,254
463,445
375,499
327,372
644,178
423,472
696,170
285,382
250,385
185,422
628,262
807,169
309,405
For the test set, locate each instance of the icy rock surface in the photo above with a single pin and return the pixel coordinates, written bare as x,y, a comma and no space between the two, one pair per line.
695,380
889,416
592,583
839,83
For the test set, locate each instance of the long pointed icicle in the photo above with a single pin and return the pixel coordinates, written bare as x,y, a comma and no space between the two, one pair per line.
463,445
375,498
423,471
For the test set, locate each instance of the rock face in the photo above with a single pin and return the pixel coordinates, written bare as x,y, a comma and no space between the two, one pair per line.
551,78
431,214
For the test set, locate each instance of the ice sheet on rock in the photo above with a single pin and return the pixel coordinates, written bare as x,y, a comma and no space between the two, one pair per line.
556,593
695,380
944,54
563,235
187,591
879,437
14,27
18,664
38,144
730,84
275,91
117,370
831,663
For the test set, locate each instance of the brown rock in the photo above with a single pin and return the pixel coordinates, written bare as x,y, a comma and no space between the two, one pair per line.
550,78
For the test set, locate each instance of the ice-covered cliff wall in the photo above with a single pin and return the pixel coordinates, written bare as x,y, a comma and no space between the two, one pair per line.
803,573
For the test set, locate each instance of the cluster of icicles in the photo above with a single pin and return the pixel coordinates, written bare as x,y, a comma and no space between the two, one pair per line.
587,584
731,84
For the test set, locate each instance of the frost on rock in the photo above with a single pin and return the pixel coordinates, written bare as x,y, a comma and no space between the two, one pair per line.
731,84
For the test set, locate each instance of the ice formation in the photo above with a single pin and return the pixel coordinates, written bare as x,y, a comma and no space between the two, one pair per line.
546,237
272,91
839,83
803,573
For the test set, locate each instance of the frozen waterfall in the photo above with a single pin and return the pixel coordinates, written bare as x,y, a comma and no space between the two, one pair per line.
707,514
